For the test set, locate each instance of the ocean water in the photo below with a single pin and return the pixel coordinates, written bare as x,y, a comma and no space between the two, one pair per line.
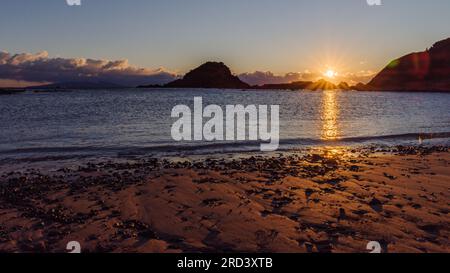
138,122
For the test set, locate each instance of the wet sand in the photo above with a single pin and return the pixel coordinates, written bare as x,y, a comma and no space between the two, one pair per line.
328,200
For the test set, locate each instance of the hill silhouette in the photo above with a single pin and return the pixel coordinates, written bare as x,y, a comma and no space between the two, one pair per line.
209,75
421,71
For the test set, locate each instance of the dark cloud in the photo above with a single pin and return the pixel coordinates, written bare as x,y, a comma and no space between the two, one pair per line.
41,68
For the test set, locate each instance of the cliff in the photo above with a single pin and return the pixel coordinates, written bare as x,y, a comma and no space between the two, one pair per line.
421,71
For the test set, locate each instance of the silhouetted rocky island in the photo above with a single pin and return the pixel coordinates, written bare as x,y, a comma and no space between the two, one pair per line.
218,75
422,71
302,85
208,75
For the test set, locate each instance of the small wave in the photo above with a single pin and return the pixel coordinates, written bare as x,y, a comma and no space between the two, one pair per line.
216,147
408,136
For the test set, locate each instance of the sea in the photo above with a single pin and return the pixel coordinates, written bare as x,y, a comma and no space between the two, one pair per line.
129,122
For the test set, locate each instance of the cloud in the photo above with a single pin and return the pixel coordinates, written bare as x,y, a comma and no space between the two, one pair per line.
363,76
260,78
27,67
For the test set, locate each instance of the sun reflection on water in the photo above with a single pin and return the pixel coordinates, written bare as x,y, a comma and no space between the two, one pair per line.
330,113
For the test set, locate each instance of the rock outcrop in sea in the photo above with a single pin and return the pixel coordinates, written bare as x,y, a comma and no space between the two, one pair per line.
209,75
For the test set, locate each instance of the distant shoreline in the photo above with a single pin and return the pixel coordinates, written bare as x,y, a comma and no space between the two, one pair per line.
11,91
294,90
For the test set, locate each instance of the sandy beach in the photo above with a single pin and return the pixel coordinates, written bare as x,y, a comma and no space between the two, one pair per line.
327,200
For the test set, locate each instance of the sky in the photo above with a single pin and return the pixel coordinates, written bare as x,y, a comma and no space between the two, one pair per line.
153,40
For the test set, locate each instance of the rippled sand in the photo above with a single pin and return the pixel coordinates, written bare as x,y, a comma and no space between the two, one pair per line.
325,201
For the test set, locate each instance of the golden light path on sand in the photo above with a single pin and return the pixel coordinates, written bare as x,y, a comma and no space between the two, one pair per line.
330,113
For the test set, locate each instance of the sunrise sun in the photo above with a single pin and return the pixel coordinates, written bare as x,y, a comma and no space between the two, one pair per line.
330,73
